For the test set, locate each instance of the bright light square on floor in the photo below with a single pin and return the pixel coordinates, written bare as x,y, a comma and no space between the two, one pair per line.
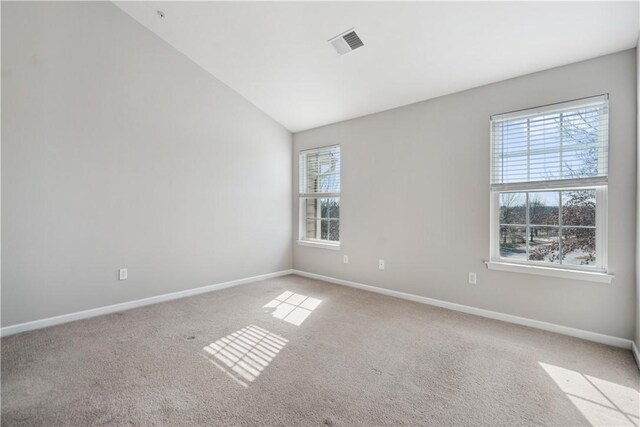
244,354
293,308
601,402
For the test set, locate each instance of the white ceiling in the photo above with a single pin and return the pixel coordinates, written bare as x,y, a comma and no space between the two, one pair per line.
276,54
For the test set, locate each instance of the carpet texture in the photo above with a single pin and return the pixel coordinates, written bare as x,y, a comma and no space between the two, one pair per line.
297,351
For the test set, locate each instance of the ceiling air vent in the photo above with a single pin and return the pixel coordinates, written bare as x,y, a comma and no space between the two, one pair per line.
346,42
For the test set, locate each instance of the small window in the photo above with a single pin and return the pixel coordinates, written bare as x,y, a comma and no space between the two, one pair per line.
549,178
320,196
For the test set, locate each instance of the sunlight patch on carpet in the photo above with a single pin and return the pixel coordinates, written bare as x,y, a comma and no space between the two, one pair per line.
244,354
601,402
293,308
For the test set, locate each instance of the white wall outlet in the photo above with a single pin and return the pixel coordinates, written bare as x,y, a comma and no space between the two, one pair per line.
381,264
472,278
345,259
122,274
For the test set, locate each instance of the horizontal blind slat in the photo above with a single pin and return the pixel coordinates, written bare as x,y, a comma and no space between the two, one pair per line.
320,172
558,144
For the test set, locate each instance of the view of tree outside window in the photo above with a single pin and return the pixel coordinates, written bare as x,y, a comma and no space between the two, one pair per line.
561,226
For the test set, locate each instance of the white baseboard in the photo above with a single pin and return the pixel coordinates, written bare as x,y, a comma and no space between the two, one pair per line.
551,327
65,318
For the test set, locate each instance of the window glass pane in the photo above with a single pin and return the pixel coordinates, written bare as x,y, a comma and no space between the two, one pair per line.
334,230
513,208
560,229
578,246
329,183
544,244
513,242
324,230
544,167
321,217
579,207
311,173
544,207
310,232
581,140
311,209
514,168
322,171
330,229
330,207
580,163
514,135
544,148
580,126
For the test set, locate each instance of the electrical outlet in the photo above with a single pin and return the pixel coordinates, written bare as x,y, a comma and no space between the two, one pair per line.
472,278
381,264
122,274
345,259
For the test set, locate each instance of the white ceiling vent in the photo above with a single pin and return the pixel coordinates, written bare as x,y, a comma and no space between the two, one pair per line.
346,42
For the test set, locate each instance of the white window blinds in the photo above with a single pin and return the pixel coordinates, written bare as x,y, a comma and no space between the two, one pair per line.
320,172
555,146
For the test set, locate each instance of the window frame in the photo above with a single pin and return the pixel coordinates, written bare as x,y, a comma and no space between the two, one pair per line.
597,272
303,197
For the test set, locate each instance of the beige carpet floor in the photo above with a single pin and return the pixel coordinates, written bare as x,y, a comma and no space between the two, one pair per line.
296,351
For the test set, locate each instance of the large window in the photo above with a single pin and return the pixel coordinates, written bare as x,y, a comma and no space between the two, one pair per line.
549,185
320,196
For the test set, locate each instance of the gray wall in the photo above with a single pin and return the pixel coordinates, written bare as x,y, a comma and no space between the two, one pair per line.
416,194
637,335
118,151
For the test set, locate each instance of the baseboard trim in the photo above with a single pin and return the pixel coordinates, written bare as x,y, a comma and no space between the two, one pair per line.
636,353
551,327
65,318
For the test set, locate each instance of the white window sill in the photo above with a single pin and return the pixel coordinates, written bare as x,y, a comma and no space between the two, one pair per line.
589,276
319,244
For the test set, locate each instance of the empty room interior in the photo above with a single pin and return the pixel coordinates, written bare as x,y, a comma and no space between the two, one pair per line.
320,213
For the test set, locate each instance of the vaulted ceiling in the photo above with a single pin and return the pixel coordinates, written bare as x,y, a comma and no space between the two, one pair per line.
276,55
